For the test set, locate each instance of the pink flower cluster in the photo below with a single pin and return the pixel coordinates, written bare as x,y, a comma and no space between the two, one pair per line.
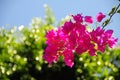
73,37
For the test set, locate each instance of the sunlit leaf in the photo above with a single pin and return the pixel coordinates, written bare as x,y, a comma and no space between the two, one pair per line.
118,11
112,11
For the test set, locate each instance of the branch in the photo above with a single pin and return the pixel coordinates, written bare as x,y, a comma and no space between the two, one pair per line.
110,17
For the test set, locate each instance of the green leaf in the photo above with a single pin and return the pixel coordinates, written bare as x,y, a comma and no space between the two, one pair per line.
112,11
118,11
105,23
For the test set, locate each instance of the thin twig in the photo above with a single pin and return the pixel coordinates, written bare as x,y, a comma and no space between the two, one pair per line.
111,16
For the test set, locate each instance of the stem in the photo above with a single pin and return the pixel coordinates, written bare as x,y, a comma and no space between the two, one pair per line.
111,16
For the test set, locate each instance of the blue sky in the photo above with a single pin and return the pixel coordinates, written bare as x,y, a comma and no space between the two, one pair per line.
20,12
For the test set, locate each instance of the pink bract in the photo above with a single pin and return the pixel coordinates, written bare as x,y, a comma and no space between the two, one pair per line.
100,16
78,18
102,38
88,19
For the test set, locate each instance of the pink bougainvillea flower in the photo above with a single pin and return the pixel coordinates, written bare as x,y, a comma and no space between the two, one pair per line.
67,27
112,40
83,40
51,54
100,16
73,37
78,18
97,38
92,52
88,19
68,57
102,38
55,41
56,38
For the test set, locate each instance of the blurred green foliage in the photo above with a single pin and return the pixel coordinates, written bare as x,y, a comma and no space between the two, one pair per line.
22,48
